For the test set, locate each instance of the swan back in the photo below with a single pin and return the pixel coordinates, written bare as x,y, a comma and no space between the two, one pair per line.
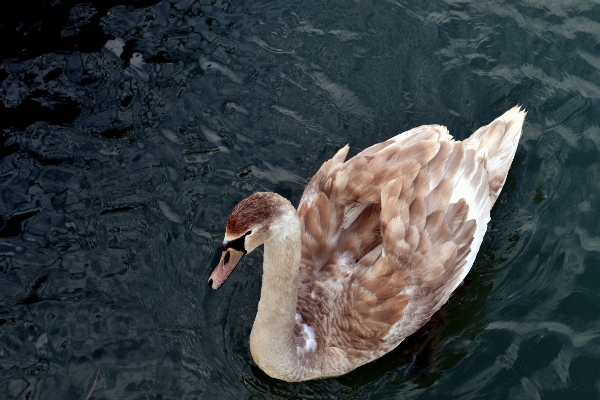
388,235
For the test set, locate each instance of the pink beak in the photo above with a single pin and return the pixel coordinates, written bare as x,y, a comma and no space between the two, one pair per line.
229,259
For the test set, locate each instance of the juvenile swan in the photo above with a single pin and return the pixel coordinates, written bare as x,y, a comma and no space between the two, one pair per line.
377,245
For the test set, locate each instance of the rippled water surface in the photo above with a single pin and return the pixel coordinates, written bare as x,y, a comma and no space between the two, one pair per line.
129,129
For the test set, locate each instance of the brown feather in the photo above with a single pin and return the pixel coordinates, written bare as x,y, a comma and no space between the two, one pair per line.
408,235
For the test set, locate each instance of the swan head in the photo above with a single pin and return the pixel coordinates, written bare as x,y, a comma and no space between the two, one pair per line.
252,222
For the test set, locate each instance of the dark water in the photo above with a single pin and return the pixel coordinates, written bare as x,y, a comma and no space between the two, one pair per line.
130,129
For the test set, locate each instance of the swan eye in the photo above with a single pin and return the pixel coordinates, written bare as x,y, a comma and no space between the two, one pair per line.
236,244
248,233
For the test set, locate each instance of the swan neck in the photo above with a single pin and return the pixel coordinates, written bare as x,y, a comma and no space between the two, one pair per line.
272,339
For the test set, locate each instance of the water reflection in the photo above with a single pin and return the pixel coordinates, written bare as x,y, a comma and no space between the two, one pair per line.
129,130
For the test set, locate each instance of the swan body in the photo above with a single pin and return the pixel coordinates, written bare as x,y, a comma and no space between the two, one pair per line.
377,245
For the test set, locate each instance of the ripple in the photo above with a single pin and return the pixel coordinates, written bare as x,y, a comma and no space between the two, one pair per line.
130,130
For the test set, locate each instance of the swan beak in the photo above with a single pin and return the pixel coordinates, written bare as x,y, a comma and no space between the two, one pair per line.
229,259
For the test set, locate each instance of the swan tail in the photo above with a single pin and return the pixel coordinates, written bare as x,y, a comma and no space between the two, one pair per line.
499,140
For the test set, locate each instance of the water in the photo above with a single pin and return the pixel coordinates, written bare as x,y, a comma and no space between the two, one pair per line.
130,130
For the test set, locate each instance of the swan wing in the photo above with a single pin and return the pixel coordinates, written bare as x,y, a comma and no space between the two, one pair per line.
388,235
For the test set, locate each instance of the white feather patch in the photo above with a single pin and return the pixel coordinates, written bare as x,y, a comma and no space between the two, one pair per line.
308,333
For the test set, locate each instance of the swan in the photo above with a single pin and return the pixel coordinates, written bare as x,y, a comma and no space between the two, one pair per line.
377,245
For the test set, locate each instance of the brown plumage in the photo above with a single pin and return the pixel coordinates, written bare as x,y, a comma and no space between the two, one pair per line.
376,246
